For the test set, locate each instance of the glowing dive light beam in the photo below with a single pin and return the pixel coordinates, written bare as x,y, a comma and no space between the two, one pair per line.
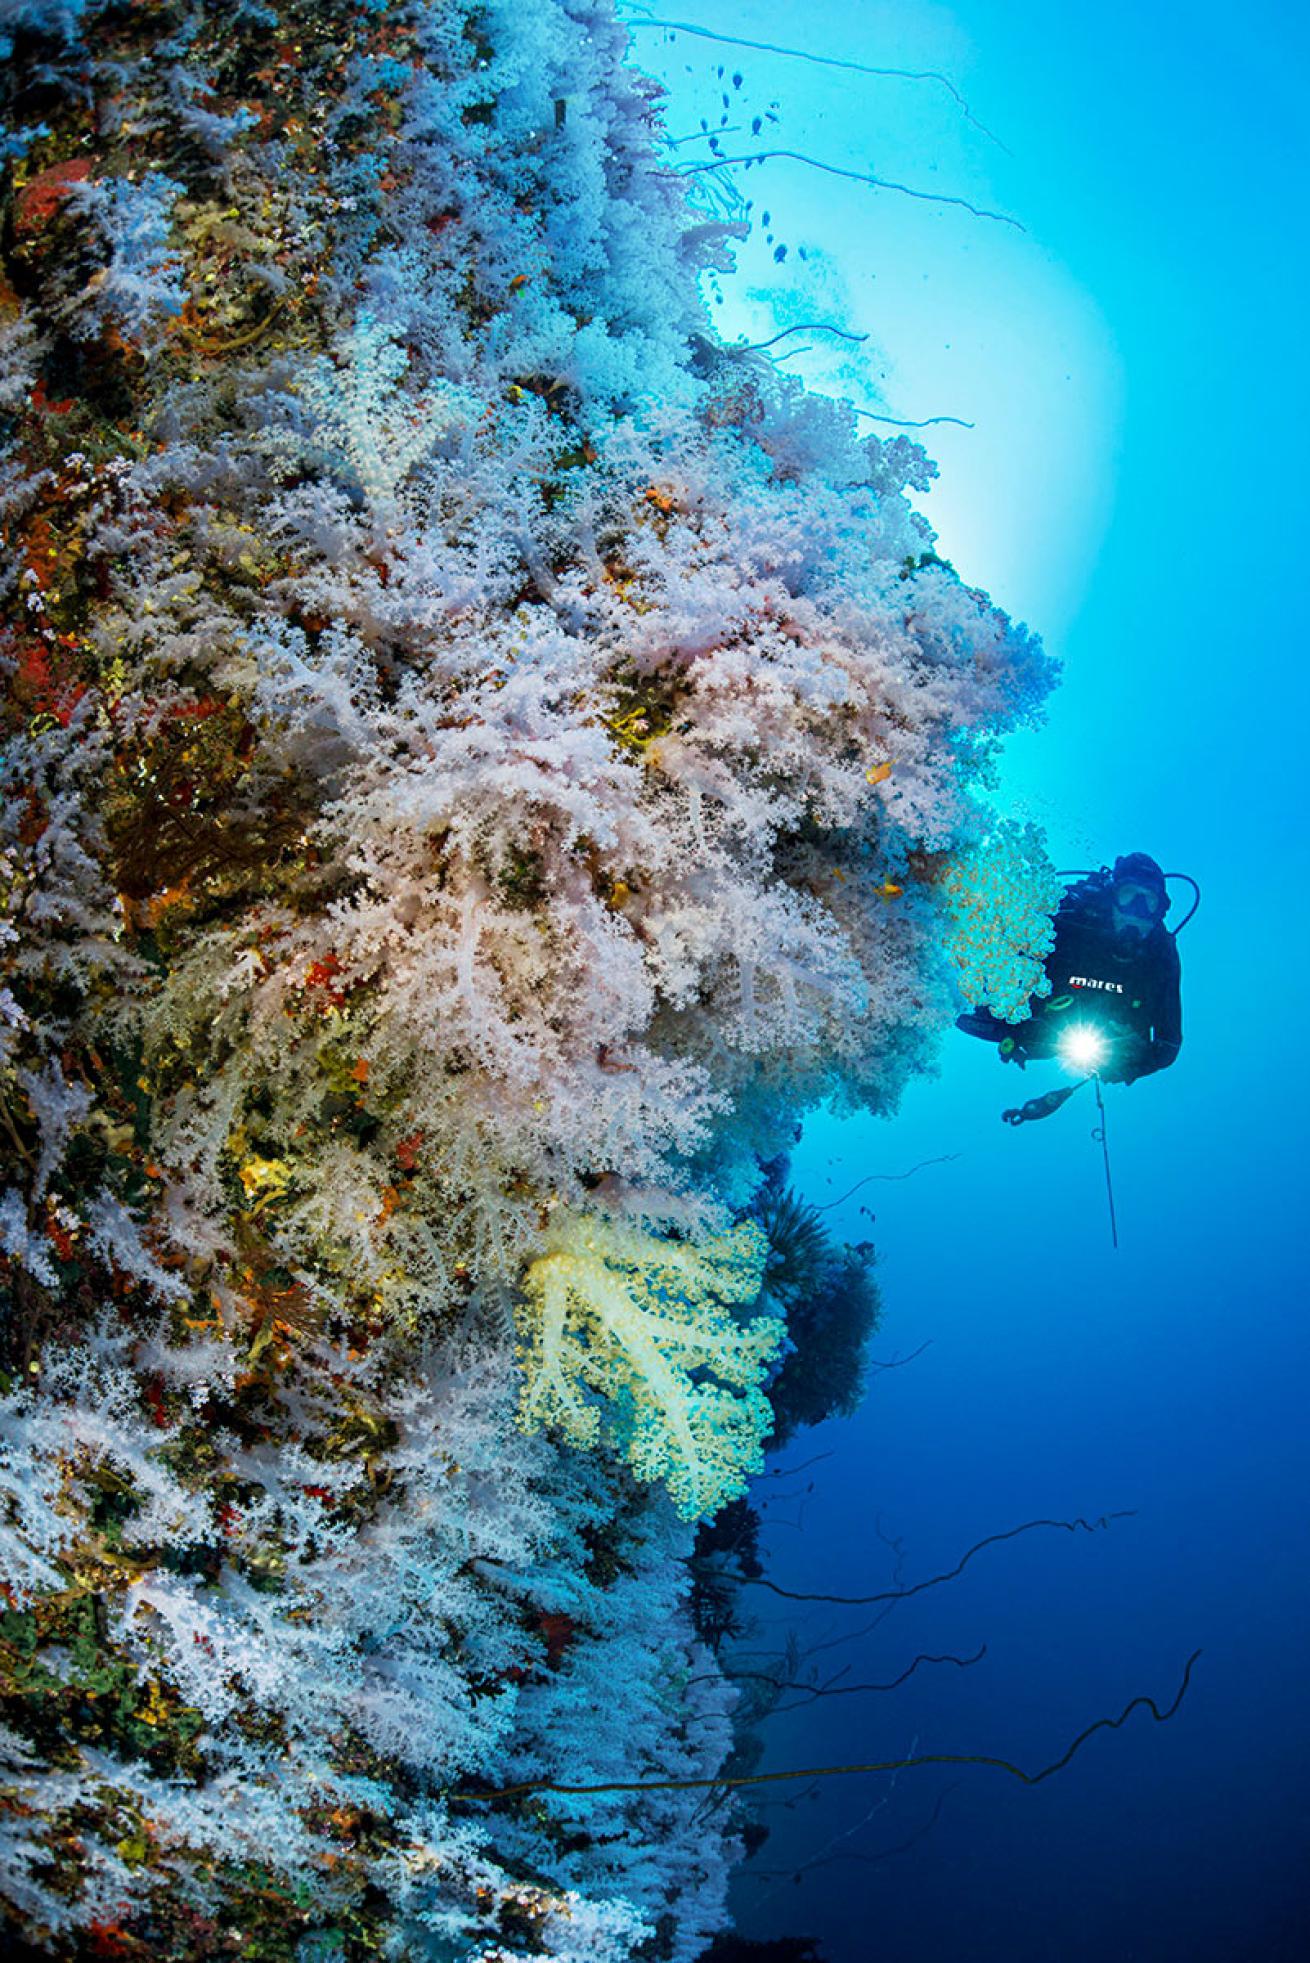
1083,1049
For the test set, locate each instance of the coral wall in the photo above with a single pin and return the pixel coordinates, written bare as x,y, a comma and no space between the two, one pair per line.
481,757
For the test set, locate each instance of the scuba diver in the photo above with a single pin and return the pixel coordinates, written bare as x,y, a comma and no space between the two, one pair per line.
1114,1010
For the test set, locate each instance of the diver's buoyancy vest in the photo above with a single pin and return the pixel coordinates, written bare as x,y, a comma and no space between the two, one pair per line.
1093,979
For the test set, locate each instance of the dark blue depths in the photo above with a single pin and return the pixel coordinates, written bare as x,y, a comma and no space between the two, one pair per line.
1162,153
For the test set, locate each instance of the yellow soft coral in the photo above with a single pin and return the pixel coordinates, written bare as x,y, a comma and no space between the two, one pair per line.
1002,897
614,1309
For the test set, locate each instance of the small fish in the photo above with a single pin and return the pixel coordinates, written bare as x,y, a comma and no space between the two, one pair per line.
889,890
879,774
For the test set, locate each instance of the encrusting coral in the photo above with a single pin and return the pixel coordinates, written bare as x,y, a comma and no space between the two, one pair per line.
480,757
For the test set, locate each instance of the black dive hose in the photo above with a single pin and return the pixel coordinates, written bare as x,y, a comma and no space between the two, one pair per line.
1098,1133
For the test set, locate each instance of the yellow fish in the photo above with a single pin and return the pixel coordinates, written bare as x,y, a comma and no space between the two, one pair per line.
879,773
889,890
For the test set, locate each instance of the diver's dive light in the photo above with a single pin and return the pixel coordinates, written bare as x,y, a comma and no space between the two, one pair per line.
1083,1049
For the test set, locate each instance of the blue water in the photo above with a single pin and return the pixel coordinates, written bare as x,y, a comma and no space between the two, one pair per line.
1156,157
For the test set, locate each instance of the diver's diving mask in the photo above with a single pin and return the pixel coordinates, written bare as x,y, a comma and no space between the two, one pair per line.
1138,902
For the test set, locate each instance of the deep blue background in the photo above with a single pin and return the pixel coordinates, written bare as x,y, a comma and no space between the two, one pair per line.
1157,160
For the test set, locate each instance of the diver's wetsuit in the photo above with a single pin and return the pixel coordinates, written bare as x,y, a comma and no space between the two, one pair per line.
1130,989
